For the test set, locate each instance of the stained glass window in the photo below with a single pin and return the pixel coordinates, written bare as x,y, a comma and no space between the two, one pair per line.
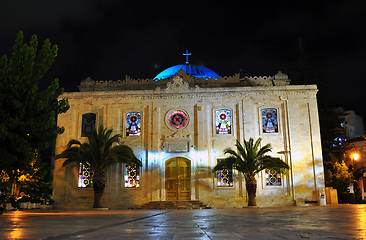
132,176
224,177
133,124
85,176
178,119
269,120
223,121
87,123
273,178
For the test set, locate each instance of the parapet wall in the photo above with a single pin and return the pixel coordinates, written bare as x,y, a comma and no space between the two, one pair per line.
88,84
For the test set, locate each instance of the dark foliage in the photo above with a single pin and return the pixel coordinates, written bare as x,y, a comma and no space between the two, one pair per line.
27,114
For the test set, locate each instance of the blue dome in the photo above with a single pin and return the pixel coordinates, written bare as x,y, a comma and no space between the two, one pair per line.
193,70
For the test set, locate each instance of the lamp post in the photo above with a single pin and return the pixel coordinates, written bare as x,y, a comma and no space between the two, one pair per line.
355,157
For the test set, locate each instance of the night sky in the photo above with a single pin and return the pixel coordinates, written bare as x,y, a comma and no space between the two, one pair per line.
107,39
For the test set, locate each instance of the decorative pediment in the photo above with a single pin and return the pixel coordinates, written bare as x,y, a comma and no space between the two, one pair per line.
281,79
178,85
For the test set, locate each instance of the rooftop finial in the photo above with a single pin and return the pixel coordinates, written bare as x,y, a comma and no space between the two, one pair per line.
187,54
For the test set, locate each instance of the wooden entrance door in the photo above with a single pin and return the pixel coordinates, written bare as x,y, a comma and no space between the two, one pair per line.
178,179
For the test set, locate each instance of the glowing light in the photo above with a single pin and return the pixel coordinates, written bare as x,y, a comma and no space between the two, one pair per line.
190,69
187,54
355,156
16,231
360,221
132,176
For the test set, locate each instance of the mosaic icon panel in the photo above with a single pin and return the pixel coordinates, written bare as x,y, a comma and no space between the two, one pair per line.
223,121
133,124
87,123
269,120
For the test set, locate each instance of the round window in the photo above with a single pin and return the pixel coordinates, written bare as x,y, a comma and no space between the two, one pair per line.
177,119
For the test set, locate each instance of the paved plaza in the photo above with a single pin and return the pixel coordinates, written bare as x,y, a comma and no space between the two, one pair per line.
331,222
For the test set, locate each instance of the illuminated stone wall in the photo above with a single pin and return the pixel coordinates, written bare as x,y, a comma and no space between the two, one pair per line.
296,139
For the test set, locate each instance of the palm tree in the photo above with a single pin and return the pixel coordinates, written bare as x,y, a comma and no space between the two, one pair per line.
101,151
251,160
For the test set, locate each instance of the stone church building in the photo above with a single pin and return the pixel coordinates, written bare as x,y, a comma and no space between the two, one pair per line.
179,124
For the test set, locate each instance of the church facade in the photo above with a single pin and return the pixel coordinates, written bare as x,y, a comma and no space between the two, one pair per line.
179,124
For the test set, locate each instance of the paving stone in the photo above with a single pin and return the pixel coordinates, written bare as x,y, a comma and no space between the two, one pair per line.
331,222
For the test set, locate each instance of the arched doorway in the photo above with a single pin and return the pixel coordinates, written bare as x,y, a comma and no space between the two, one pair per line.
178,179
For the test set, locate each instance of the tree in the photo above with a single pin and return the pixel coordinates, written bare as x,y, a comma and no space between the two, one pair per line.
250,160
37,180
339,177
27,113
101,151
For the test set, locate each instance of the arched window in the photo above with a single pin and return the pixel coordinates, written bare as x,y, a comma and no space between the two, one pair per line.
87,123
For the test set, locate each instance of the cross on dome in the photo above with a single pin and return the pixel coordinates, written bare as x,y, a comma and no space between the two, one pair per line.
194,70
187,54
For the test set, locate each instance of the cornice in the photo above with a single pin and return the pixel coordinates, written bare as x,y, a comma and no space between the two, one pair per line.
178,89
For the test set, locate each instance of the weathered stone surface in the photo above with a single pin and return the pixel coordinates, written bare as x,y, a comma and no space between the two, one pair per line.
297,141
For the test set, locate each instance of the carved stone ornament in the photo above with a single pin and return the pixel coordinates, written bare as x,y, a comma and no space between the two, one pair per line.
87,82
178,85
178,135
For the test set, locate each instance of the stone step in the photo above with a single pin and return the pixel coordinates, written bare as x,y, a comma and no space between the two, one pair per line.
175,205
